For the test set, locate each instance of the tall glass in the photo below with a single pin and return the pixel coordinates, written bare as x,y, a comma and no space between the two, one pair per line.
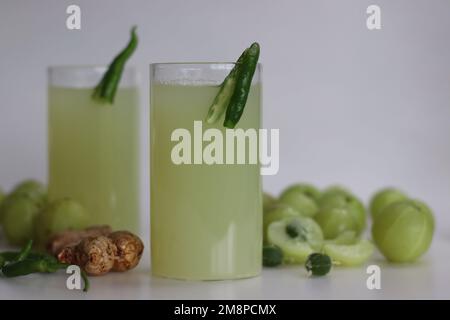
206,219
93,147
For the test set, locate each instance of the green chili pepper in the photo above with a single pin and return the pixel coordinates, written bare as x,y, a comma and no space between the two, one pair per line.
6,257
44,265
23,262
10,256
27,266
42,256
25,251
85,280
106,89
226,90
245,74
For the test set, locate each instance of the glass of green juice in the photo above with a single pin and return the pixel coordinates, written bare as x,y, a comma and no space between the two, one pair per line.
93,150
206,219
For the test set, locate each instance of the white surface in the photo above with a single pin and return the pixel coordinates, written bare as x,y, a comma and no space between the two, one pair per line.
427,279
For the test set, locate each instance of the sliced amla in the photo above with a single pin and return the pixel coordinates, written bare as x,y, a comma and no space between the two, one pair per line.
276,213
297,237
346,237
349,254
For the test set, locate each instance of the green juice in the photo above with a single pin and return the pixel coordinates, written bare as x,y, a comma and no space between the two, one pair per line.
93,154
206,220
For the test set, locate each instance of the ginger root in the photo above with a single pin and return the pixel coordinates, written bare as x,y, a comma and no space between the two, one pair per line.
100,251
71,237
129,250
95,255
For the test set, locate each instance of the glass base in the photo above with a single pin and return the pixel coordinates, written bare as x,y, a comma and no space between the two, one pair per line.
207,278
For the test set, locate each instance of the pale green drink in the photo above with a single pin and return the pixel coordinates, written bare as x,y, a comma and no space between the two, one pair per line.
205,219
93,151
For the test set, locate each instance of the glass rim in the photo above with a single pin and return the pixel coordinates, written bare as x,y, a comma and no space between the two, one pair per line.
86,76
204,63
211,73
100,67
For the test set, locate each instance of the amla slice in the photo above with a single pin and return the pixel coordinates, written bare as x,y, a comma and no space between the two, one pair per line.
297,237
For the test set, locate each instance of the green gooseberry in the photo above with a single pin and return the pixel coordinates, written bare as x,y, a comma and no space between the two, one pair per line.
296,198
351,254
318,264
356,219
335,220
60,215
268,201
18,211
344,238
33,189
331,192
305,188
403,230
275,213
272,256
383,198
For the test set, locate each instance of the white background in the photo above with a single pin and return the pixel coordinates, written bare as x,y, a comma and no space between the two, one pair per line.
362,108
